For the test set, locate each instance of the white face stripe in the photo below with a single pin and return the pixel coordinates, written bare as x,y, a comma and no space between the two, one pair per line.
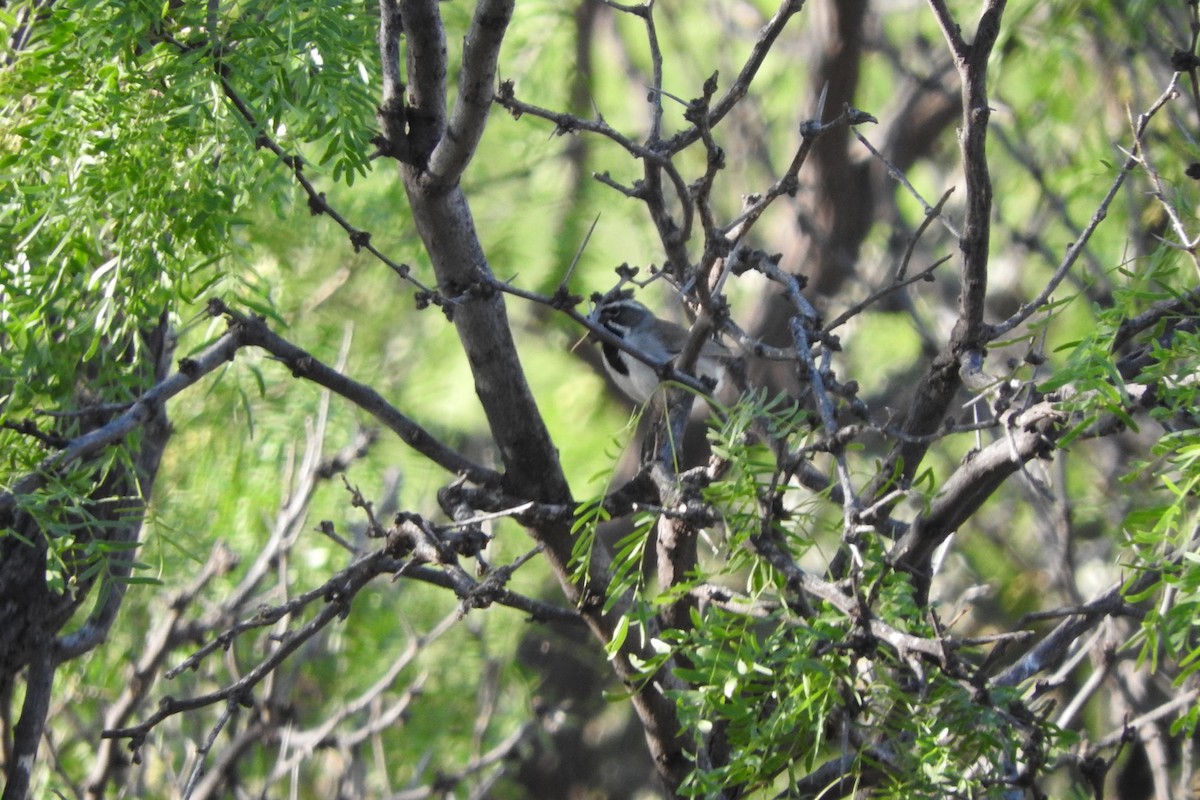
622,316
627,317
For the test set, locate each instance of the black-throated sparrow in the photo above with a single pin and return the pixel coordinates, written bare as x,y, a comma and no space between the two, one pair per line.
659,340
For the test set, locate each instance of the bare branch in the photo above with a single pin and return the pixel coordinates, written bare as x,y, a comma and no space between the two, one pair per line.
338,593
1079,245
27,733
741,84
476,86
1169,708
1054,646
810,132
427,84
931,212
899,283
159,642
393,109
359,239
1027,435
254,331
964,350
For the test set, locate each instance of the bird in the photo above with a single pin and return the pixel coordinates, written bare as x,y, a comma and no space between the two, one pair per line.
656,339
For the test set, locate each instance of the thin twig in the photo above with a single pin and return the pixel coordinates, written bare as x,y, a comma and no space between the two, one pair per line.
1077,247
924,275
931,212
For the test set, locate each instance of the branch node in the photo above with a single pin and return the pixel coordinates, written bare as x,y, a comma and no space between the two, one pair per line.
360,240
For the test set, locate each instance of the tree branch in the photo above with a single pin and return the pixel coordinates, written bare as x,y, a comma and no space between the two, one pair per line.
1026,436
963,353
1078,246
28,731
426,37
1051,649
254,331
476,87
741,84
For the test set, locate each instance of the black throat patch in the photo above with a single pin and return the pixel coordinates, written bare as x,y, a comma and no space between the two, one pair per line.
615,358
